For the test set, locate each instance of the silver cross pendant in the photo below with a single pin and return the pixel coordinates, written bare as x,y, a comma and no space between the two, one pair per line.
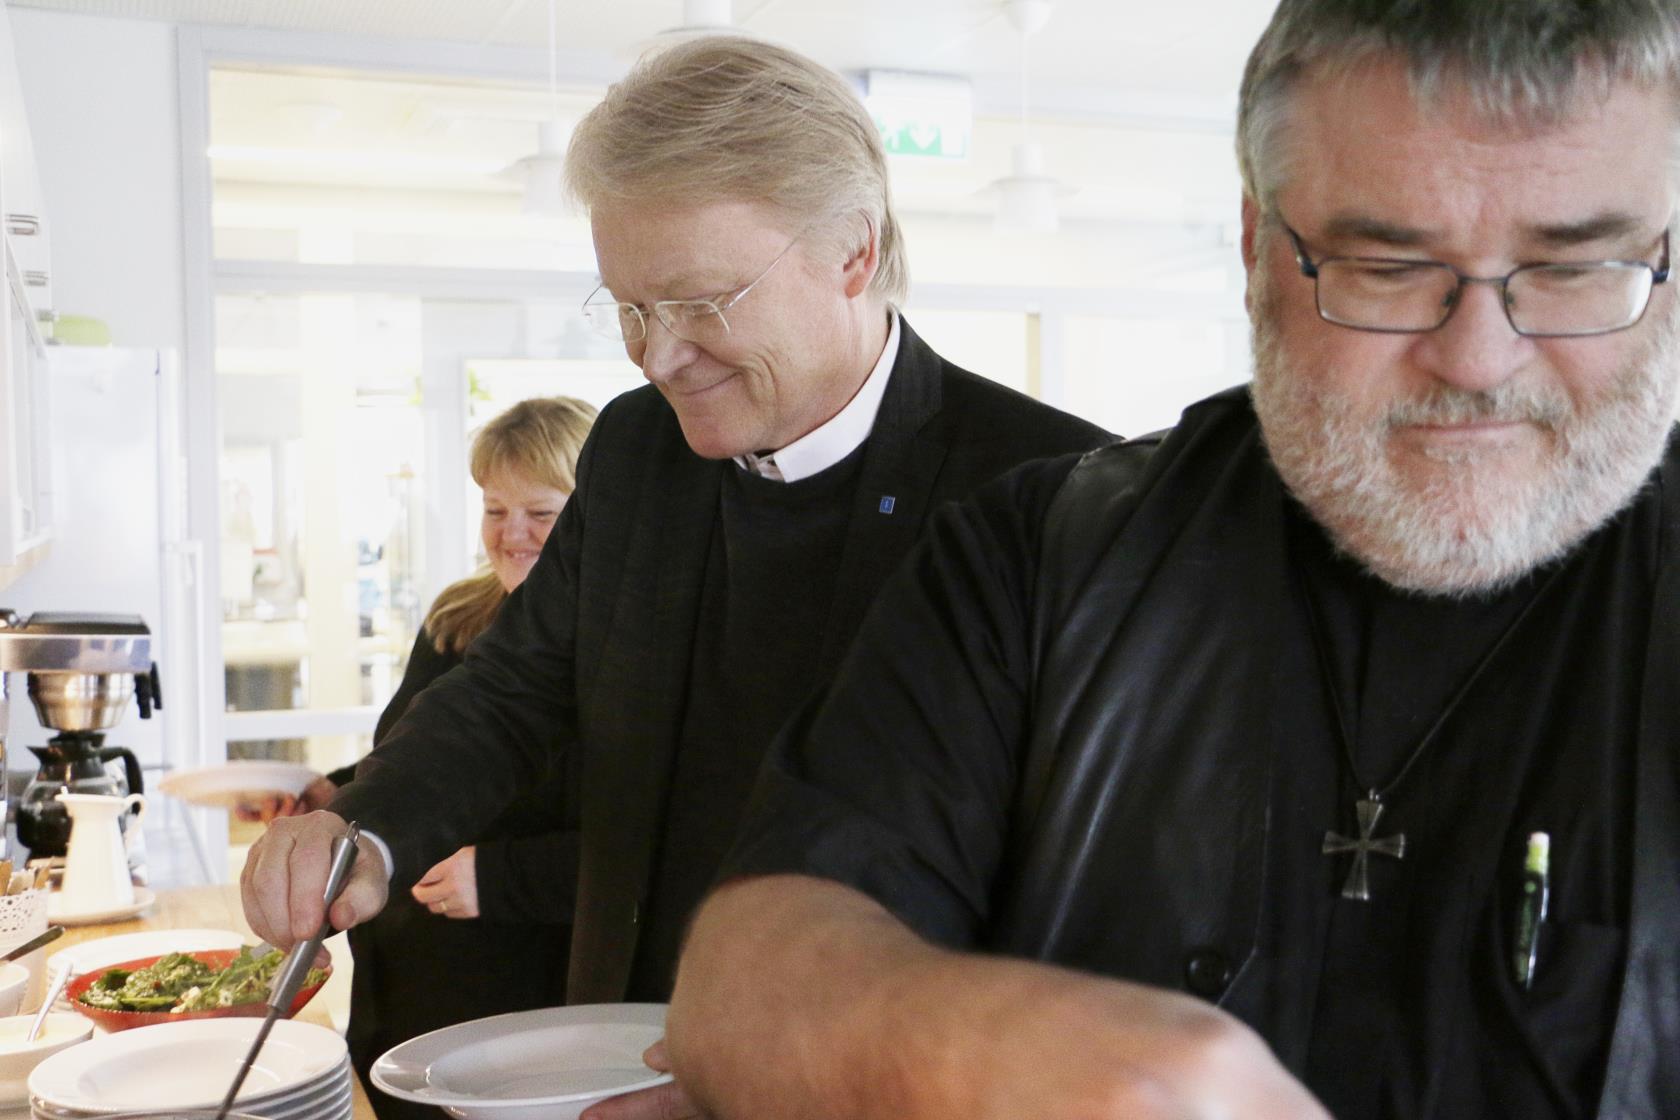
1358,885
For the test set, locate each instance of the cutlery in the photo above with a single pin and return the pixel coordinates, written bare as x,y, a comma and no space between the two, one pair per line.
51,998
52,934
296,965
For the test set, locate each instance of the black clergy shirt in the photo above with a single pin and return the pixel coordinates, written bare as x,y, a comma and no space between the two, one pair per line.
1542,740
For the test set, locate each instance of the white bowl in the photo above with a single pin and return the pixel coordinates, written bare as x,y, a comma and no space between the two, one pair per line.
547,1064
14,981
18,1058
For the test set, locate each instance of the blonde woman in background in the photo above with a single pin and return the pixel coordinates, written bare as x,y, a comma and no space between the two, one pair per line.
487,930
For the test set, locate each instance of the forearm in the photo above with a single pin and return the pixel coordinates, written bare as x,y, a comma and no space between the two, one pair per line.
804,1000
411,790
742,1048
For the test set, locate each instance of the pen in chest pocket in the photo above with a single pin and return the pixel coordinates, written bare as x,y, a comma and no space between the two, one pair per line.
1531,906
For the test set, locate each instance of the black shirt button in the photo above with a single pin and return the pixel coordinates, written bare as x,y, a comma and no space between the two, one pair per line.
1208,973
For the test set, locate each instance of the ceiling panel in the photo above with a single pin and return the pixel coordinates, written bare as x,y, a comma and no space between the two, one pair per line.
1188,49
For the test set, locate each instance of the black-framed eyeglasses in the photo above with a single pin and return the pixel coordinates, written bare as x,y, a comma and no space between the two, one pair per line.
1400,296
699,321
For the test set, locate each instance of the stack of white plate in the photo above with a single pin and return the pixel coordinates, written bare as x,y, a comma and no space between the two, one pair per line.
303,1072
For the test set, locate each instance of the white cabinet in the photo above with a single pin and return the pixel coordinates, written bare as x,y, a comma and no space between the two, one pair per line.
25,467
23,215
26,296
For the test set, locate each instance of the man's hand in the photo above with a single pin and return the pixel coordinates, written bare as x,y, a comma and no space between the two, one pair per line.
286,874
450,888
662,1102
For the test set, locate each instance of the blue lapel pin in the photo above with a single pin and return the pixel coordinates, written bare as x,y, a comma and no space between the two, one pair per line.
887,503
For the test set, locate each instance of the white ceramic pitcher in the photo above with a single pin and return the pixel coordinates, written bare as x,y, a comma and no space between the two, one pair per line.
95,866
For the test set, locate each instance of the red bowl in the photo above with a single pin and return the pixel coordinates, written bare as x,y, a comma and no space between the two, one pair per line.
113,1020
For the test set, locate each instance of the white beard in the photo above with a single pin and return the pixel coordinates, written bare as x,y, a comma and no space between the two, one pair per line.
1465,530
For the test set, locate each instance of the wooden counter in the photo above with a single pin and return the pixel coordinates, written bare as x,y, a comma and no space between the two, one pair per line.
217,907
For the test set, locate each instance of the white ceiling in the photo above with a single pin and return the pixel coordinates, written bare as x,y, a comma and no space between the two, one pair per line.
1173,59
1132,101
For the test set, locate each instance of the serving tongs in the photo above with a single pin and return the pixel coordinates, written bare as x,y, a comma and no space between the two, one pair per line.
295,967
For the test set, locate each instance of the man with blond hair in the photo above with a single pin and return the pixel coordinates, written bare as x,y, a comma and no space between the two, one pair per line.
732,519
1320,757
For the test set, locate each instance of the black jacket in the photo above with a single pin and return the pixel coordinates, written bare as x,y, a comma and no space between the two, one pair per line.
595,648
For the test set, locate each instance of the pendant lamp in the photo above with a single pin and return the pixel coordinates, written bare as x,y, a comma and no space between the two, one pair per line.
1026,198
542,172
699,19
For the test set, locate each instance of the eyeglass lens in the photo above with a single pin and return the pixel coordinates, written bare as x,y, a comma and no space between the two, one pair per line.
698,321
1539,300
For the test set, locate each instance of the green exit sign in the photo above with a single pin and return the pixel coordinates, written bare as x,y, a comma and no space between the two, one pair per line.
923,138
920,115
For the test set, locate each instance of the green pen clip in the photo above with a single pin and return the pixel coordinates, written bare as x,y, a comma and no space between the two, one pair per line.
1531,907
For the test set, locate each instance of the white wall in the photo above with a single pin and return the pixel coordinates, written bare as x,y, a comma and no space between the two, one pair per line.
102,100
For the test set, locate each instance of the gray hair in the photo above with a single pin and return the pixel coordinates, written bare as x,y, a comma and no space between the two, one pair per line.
733,119
1520,60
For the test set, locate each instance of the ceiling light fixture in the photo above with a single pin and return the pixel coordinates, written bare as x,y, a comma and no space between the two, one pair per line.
1026,198
543,172
700,18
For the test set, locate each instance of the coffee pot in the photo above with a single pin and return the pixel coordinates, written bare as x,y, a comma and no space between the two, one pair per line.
83,672
73,762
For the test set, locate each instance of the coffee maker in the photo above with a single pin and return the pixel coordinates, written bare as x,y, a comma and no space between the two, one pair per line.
82,672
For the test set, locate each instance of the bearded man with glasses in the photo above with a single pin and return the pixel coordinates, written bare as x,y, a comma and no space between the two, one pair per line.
731,524
1321,757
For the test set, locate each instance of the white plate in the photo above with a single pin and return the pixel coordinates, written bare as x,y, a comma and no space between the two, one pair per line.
325,1106
548,1064
185,1065
143,898
224,786
103,952
321,1101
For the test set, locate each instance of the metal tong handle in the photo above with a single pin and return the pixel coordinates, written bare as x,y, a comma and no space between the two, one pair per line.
292,971
295,968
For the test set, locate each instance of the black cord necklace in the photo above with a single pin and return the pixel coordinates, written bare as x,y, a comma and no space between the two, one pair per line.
1369,808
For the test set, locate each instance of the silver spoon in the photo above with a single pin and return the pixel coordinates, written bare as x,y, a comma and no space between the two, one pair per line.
53,991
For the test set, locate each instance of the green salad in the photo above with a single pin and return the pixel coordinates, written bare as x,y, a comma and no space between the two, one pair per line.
179,982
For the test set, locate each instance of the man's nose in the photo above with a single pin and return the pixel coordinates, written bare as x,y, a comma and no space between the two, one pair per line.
663,353
1477,348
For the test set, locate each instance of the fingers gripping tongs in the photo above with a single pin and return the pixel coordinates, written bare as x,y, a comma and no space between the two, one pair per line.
295,968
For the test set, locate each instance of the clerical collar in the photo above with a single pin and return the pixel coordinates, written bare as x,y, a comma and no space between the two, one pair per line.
833,440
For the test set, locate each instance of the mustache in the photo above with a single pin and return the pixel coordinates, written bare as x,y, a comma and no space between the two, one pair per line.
1508,402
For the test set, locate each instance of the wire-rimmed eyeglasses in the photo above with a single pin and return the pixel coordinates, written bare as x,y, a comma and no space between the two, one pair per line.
1400,296
693,320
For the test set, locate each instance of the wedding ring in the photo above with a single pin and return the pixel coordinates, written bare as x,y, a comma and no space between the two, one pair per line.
443,907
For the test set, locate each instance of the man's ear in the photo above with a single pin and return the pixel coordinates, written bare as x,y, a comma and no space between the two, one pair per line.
1250,231
1250,251
859,269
